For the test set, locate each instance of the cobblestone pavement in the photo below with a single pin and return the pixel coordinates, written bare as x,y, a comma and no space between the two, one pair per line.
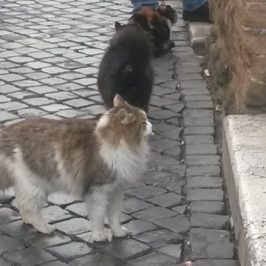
49,57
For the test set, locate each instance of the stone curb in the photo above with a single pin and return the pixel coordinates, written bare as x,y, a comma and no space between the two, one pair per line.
244,163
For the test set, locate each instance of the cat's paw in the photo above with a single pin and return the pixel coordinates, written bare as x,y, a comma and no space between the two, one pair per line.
102,236
120,232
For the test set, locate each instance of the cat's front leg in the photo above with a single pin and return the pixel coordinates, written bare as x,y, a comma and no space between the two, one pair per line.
97,203
114,209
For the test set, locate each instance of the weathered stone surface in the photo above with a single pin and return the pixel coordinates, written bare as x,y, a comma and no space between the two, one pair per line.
136,227
69,251
208,262
178,224
29,256
166,200
74,226
205,149
214,194
9,244
159,238
216,207
127,249
209,221
204,182
171,250
154,259
153,214
97,258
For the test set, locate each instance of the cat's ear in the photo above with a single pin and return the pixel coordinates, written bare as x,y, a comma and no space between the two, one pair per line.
125,117
119,101
118,26
168,9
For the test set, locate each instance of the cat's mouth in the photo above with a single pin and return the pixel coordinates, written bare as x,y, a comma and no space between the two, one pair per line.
148,131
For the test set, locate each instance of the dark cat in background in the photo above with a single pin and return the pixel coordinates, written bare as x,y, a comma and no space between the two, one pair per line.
126,67
158,24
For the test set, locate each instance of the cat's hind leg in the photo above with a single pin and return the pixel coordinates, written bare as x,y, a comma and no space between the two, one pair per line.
29,199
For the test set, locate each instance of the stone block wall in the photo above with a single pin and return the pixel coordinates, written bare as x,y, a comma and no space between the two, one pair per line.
237,54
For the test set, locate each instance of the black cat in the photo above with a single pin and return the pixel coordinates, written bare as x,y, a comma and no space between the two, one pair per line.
126,67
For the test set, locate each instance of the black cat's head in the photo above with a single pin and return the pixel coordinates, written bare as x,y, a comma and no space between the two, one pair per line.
155,25
168,12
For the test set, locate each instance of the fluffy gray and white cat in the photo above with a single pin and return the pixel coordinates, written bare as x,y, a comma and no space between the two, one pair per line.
90,159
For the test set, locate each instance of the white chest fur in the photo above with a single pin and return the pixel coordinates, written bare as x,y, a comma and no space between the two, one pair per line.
127,164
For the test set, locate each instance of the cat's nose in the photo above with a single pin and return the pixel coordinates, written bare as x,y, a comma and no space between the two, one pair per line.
148,128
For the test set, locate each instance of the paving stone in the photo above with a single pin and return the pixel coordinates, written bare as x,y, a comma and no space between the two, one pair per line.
166,200
55,214
54,107
74,226
8,244
29,256
68,113
146,192
172,250
5,116
207,262
212,250
97,258
28,112
78,208
198,139
203,159
41,241
38,65
10,77
37,101
42,89
17,229
136,227
78,103
159,238
12,106
69,251
204,182
209,235
177,224
4,263
53,70
154,259
212,221
204,149
198,194
133,205
153,214
206,170
127,249
55,263
198,130
216,207
6,88
8,215
199,105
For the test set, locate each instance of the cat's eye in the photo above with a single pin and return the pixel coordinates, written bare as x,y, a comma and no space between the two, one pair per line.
144,123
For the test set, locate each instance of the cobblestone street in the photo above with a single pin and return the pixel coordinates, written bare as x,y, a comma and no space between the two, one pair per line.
49,57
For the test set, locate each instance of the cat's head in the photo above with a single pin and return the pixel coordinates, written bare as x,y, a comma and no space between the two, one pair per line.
168,12
123,124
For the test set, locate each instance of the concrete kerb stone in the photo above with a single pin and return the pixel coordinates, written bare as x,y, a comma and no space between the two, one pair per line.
244,153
